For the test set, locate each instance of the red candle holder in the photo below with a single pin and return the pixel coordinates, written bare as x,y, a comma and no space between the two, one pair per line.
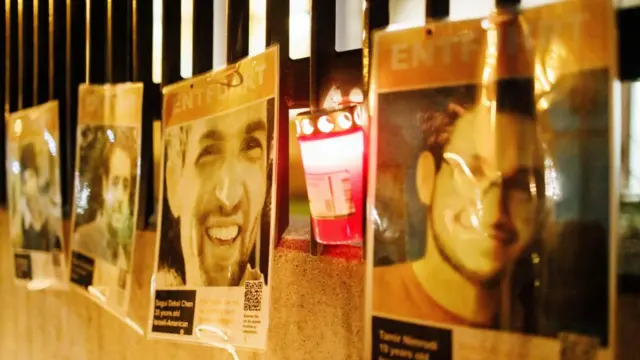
332,146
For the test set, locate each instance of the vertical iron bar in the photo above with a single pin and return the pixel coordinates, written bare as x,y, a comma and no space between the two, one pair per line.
109,61
202,36
7,55
134,40
87,43
36,18
375,15
171,13
20,53
439,9
278,13
27,53
52,64
98,42
151,104
119,40
237,30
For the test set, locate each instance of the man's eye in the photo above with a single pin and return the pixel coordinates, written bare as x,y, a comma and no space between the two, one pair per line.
115,181
208,151
125,184
250,143
252,147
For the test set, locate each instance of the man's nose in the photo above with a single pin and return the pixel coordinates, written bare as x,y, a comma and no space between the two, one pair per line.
229,189
490,209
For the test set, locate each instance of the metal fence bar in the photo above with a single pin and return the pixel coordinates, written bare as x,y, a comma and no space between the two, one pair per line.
171,41
237,30
99,46
202,36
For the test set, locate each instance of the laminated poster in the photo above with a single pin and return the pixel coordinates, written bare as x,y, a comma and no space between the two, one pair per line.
33,188
106,182
491,222
217,222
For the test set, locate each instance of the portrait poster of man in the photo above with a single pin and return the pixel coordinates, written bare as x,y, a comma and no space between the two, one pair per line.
490,189
217,227
33,187
106,190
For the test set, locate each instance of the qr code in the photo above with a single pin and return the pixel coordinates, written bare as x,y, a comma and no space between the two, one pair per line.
578,347
253,295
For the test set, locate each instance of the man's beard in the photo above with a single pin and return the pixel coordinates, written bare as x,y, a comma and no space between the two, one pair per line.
236,270
490,282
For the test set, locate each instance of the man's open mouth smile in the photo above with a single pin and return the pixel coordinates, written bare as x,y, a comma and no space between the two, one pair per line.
223,235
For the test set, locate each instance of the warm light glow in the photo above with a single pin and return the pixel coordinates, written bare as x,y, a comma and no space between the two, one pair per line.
322,155
257,26
17,127
464,9
325,124
307,127
333,99
406,13
186,39
334,176
356,95
299,29
344,120
349,25
298,128
359,118
219,34
156,46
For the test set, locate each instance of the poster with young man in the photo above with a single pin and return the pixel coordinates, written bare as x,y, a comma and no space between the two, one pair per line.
217,225
33,188
106,191
491,232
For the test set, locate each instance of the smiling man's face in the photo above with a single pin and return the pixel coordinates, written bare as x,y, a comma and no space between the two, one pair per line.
487,195
222,193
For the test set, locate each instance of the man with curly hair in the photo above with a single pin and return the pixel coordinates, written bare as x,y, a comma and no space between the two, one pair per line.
481,178
216,187
109,235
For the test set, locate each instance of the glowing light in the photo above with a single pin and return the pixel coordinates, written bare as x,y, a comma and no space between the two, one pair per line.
344,120
356,95
344,150
553,189
83,196
186,39
348,32
406,13
464,9
333,99
298,129
257,26
325,124
299,29
307,127
156,45
17,127
112,138
219,34
15,167
358,116
51,143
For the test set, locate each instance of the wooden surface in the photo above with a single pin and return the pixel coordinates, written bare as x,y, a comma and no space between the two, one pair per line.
316,313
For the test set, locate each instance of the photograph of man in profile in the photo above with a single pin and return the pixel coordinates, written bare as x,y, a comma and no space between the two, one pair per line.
216,185
38,232
108,236
481,178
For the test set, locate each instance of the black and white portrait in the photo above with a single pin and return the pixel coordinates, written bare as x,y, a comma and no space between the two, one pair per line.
105,192
216,210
